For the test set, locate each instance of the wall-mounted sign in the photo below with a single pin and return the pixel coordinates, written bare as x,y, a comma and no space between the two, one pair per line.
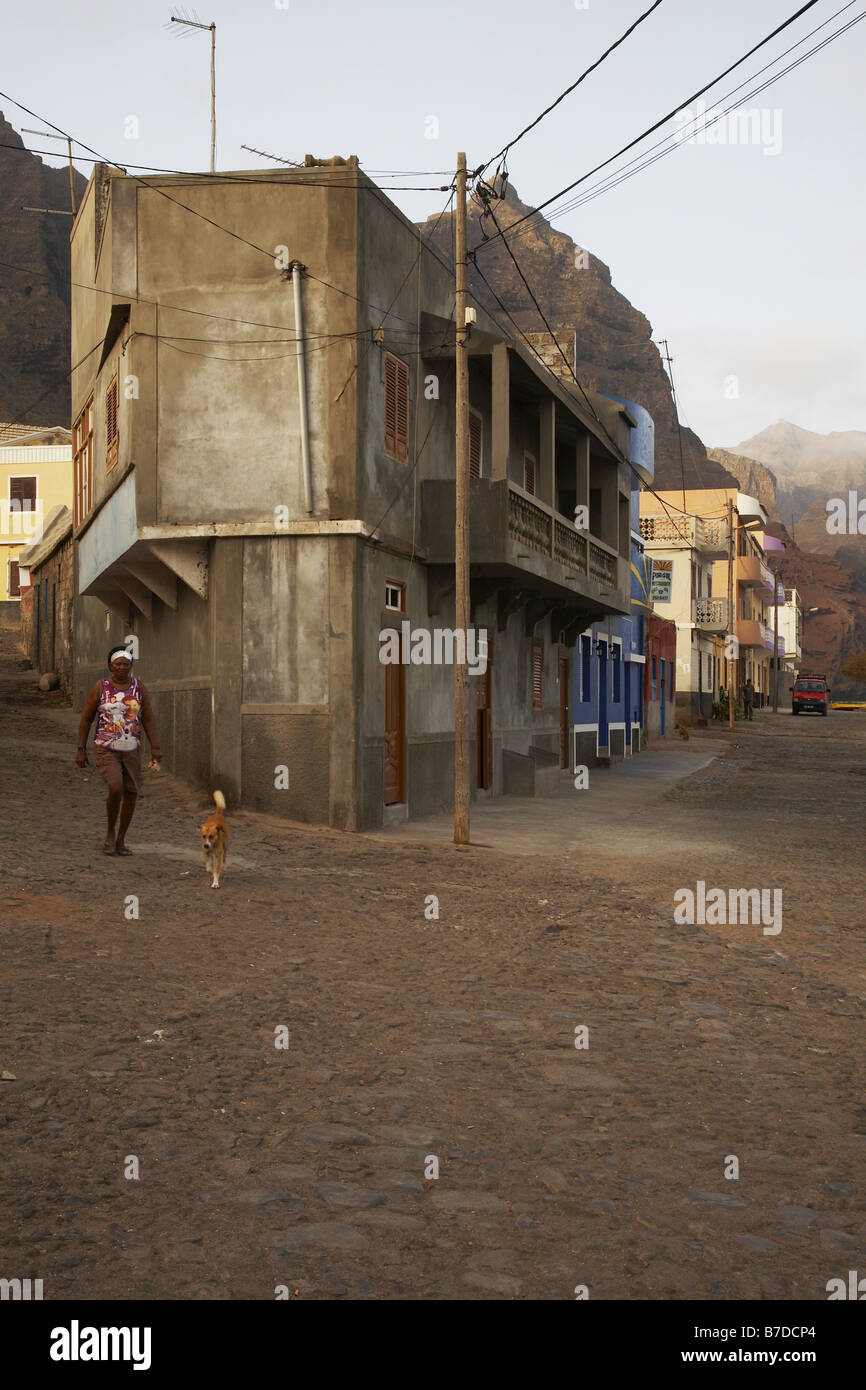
663,575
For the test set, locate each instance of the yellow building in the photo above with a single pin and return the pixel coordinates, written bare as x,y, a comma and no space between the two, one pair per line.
697,528
35,477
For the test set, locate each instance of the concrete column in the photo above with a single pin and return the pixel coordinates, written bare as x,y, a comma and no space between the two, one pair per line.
582,473
226,614
545,483
500,431
344,682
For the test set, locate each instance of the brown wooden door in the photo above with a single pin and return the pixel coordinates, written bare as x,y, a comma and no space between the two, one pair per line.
484,723
563,712
395,734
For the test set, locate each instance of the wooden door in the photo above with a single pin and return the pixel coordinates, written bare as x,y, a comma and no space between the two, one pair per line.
395,734
484,723
563,713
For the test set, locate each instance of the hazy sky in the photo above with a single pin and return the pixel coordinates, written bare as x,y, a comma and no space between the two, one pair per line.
747,257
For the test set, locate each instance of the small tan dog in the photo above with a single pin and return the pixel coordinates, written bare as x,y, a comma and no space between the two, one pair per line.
215,840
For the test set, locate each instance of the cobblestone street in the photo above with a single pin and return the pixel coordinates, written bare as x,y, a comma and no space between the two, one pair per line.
451,1039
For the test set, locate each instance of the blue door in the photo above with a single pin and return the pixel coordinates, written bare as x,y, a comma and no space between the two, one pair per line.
627,704
662,664
603,730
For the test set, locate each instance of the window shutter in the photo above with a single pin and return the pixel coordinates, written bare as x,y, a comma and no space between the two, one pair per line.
529,474
396,409
474,445
23,491
111,424
14,583
83,437
537,664
390,405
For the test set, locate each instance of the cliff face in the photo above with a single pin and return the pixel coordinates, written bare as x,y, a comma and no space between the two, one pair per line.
838,627
615,352
752,476
34,326
834,587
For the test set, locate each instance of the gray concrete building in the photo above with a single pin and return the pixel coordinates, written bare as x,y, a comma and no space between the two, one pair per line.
263,402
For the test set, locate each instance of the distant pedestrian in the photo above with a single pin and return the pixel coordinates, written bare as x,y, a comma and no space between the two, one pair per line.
748,698
123,707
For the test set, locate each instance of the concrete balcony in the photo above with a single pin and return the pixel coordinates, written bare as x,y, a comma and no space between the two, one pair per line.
710,614
516,537
710,536
752,633
748,572
768,583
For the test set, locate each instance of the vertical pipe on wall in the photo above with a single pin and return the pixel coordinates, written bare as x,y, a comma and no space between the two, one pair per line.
297,271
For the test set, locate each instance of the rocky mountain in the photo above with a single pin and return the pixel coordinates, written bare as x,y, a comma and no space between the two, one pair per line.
34,282
604,337
834,606
752,476
831,581
808,467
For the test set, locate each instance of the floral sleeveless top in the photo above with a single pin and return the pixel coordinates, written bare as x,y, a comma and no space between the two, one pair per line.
119,725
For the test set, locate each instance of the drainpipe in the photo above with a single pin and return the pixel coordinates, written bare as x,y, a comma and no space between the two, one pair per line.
297,270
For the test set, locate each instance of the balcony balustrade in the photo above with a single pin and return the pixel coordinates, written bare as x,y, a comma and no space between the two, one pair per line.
710,614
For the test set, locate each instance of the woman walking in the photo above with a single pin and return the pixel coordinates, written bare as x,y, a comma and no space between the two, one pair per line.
123,706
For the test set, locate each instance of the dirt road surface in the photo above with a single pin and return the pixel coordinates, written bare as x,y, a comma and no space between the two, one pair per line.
415,1043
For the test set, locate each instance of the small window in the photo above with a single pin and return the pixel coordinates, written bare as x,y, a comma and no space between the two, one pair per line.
529,474
111,424
396,408
537,668
474,443
82,443
22,494
14,581
394,596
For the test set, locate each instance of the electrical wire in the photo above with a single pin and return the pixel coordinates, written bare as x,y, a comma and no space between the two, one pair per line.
20,419
668,507
672,141
546,112
810,4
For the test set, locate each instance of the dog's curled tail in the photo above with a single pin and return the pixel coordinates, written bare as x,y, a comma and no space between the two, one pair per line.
220,801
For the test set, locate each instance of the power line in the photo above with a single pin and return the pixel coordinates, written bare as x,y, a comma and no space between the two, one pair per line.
370,187
55,382
236,178
571,369
657,124
546,112
671,141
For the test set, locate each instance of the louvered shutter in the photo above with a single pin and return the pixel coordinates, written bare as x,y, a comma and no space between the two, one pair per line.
474,445
402,412
537,665
396,408
390,405
111,424
23,491
529,474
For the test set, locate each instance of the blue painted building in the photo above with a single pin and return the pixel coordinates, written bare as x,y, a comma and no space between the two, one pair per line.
608,671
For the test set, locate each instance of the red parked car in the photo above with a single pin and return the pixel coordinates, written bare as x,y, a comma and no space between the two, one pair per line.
810,692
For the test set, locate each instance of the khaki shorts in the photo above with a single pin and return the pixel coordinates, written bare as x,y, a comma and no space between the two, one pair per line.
120,771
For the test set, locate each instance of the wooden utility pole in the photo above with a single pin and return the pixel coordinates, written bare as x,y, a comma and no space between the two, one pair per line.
461,522
732,621
775,644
